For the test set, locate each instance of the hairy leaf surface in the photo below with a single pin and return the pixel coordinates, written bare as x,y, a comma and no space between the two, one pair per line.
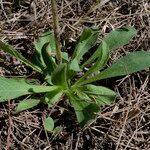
13,88
114,40
128,64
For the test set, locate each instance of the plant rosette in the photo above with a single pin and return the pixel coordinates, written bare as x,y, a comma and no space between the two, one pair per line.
85,97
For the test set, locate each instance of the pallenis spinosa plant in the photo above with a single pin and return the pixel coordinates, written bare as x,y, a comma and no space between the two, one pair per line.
60,70
85,97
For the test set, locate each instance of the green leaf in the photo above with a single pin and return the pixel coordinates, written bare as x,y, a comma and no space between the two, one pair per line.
13,88
65,57
98,90
120,37
86,41
102,59
59,76
104,100
74,65
57,130
128,64
9,49
48,60
98,94
114,40
82,95
85,111
26,104
100,63
89,114
53,97
47,37
49,124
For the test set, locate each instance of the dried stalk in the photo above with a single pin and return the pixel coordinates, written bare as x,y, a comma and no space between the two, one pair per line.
56,30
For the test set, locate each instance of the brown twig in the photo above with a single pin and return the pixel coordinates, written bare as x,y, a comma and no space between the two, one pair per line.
8,145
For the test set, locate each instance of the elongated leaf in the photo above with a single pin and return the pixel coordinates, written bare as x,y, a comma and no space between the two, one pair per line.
48,60
98,90
59,75
75,65
98,94
130,63
114,40
26,104
104,100
57,130
13,88
83,96
53,97
86,41
49,124
47,37
89,114
102,59
85,111
100,63
65,57
87,91
9,49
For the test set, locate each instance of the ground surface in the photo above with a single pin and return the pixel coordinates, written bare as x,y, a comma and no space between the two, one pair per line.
124,125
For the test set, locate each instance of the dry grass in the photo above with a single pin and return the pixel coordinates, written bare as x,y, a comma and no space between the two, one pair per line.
125,125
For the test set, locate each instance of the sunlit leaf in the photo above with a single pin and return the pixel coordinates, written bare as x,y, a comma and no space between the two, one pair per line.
114,40
104,100
86,41
26,104
65,57
98,90
98,94
49,124
57,130
75,65
128,64
13,88
99,64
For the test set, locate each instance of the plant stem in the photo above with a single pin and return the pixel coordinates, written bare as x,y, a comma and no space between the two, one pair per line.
56,30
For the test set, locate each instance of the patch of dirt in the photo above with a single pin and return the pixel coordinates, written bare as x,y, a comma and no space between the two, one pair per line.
124,125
